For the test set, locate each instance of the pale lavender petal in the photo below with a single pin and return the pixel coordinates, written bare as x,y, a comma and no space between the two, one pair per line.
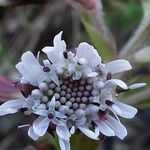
11,106
57,122
54,77
88,132
118,66
64,144
117,127
119,83
63,132
136,85
60,115
104,128
41,112
40,125
88,52
72,130
126,111
32,134
52,103
15,104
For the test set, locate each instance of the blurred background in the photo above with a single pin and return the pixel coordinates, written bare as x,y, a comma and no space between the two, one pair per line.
116,28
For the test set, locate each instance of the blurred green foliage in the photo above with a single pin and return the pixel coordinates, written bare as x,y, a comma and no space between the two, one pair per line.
122,17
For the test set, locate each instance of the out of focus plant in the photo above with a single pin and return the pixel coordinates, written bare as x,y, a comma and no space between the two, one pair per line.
122,18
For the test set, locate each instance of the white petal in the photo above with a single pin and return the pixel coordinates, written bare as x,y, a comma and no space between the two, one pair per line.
115,108
92,74
63,109
88,52
16,104
32,134
118,128
57,39
91,109
60,115
29,58
80,113
64,144
137,85
54,77
77,75
6,111
104,128
11,106
41,112
72,130
40,125
63,132
52,104
126,111
118,66
88,132
119,83
30,69
57,122
55,54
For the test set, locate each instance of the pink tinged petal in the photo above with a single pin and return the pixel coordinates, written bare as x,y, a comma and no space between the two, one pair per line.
88,132
52,104
119,83
40,125
64,144
118,128
32,134
126,111
104,128
136,85
88,52
63,132
118,66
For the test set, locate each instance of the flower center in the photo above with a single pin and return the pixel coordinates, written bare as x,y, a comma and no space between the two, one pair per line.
76,94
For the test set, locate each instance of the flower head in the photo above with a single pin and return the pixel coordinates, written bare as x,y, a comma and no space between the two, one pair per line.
70,91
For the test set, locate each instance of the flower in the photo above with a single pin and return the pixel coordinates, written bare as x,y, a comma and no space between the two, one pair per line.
70,91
